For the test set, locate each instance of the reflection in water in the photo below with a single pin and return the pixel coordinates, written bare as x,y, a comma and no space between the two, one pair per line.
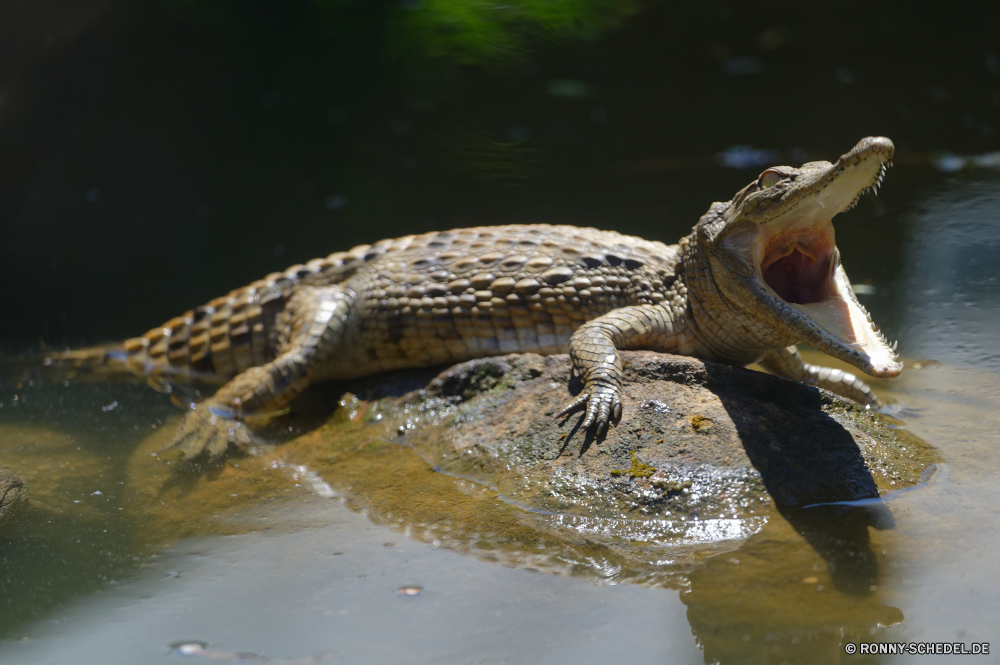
795,592
73,536
796,588
770,599
201,650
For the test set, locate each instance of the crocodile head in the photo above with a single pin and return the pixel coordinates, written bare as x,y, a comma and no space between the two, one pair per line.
772,253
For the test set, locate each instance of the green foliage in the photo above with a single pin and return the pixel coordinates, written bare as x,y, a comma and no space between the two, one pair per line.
321,81
466,32
481,32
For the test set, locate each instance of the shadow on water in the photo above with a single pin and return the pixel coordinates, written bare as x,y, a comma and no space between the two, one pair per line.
795,592
808,582
840,534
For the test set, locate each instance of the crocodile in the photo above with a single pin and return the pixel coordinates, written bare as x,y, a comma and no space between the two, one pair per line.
756,276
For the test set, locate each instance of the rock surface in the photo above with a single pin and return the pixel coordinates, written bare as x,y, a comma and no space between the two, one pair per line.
13,492
699,452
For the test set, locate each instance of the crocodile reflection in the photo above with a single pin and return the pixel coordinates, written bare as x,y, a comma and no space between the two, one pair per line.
796,592
768,602
807,578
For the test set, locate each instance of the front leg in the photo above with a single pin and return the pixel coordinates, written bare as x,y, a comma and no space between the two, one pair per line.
311,328
789,364
593,350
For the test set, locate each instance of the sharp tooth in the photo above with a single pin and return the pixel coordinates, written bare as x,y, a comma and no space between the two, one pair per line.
895,344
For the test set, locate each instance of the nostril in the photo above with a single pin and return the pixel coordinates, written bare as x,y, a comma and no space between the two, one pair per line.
881,143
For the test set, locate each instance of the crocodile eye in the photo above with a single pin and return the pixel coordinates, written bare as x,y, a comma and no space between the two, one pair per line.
769,179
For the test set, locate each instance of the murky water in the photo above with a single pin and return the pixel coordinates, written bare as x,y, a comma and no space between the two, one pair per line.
153,182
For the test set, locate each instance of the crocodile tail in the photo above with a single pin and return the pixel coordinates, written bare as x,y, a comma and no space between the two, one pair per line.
223,337
218,340
231,334
95,358
95,361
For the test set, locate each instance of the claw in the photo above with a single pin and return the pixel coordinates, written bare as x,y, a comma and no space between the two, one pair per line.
576,405
601,402
602,421
204,432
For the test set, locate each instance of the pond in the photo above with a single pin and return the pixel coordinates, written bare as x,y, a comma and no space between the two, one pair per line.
153,157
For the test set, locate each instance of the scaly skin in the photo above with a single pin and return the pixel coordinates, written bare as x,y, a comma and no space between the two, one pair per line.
451,296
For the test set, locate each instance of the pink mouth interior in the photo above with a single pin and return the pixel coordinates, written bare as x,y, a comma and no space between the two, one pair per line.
800,279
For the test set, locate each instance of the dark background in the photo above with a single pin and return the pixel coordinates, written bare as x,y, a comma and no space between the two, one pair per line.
156,154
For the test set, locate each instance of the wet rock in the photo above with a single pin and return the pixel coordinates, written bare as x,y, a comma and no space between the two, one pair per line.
13,492
700,453
704,458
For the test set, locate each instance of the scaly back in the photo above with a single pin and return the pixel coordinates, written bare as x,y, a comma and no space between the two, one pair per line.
233,333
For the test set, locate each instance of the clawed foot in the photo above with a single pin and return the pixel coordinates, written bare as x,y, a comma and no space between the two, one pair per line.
602,403
205,432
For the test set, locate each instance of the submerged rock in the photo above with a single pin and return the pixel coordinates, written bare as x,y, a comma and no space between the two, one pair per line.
13,492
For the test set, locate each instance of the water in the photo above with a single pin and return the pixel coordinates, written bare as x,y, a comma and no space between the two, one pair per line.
155,157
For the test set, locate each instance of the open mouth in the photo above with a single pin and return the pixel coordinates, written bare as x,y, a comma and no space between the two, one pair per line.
799,269
796,257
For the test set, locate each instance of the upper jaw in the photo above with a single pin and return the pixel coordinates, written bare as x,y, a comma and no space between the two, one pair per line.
842,184
791,264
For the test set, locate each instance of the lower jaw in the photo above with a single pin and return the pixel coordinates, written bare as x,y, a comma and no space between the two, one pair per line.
848,336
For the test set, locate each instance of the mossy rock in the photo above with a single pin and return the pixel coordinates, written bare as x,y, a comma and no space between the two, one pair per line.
697,440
